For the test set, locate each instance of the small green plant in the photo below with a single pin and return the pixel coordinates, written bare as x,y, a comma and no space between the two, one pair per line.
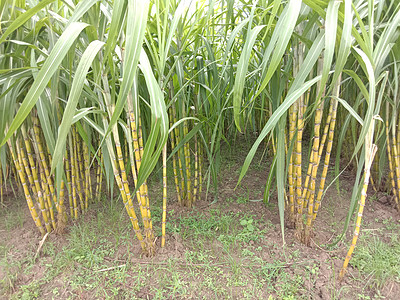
247,224
379,260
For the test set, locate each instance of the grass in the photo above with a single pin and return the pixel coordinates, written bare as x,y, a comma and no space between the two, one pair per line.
378,260
86,261
225,251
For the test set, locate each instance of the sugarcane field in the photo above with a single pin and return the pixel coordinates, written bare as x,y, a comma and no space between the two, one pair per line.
200,149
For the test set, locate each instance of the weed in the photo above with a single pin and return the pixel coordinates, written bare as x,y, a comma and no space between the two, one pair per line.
378,260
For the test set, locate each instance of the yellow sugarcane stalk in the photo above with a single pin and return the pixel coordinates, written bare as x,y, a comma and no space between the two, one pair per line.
47,196
80,170
87,175
297,165
200,168
188,167
174,166
291,175
148,249
99,177
43,160
69,184
396,155
196,167
141,200
62,216
317,202
390,158
130,210
37,190
25,187
164,215
177,140
136,149
1,185
122,173
73,175
141,147
43,181
77,168
367,172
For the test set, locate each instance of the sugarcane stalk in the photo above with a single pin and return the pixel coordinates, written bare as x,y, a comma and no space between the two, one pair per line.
177,140
370,154
1,185
37,189
327,127
140,136
164,215
390,158
69,183
291,175
188,167
77,168
86,159
196,172
141,195
31,206
73,175
99,177
43,161
174,165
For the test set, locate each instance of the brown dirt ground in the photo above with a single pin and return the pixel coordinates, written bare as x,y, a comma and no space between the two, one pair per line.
24,240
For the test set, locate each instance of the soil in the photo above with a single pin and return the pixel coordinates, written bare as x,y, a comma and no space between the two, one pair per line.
244,200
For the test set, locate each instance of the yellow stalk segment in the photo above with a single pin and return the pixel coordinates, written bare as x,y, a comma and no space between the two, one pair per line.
99,177
196,167
68,173
297,164
1,185
136,149
174,166
320,150
76,170
164,215
177,139
188,167
391,160
87,175
293,116
122,174
146,192
200,156
129,209
37,190
396,155
25,187
43,160
367,173
73,175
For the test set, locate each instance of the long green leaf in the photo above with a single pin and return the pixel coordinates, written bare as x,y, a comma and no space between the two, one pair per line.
49,68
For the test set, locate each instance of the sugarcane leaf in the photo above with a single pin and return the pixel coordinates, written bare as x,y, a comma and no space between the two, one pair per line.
345,44
241,73
75,93
80,10
282,34
135,30
280,172
348,107
49,67
23,18
330,39
186,138
273,120
159,121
